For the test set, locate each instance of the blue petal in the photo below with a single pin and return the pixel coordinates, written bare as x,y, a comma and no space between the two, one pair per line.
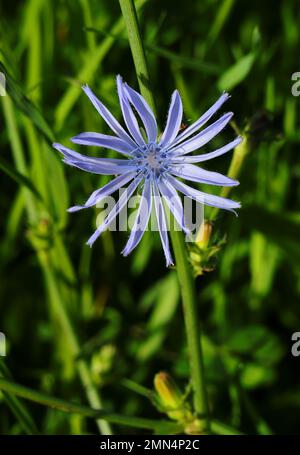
106,190
141,220
203,137
128,114
144,112
174,203
208,156
162,225
104,166
102,140
197,174
173,121
202,120
111,121
204,198
116,210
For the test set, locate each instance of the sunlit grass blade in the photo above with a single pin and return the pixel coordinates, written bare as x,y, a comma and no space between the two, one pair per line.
25,105
87,72
16,405
68,407
236,73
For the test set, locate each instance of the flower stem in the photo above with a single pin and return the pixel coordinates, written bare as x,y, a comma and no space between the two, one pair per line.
192,326
182,266
137,49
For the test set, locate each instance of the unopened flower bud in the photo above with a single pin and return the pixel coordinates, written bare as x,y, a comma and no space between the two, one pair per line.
170,396
204,234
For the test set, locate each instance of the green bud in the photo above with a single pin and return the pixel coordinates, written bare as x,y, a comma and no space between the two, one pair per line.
170,397
204,234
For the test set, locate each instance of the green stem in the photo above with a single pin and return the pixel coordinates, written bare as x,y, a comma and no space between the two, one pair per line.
192,326
183,268
65,406
137,49
88,22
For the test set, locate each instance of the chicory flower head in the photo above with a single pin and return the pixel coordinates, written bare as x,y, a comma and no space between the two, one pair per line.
151,161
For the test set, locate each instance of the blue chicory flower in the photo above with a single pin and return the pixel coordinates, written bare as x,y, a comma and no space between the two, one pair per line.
156,162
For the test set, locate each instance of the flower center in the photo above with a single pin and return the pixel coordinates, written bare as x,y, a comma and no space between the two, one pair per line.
151,159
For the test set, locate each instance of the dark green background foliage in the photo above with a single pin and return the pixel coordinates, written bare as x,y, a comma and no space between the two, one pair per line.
126,311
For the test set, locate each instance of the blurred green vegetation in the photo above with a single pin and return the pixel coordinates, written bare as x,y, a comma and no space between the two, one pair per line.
92,327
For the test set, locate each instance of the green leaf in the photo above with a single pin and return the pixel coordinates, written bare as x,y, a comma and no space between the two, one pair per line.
18,177
165,306
247,339
256,342
262,277
17,407
279,228
57,185
254,376
25,105
168,428
222,15
87,70
236,73
183,61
